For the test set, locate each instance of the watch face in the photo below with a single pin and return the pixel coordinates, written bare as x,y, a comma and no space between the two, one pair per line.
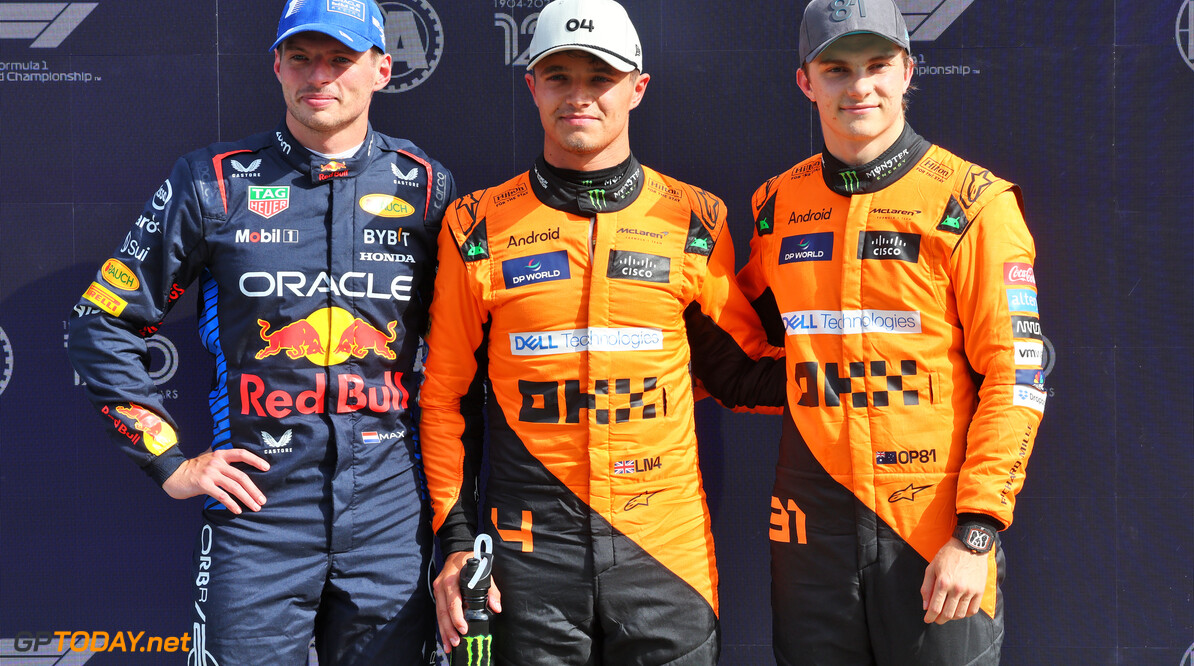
979,539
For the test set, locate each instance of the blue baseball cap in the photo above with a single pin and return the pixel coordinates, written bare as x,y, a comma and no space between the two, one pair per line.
358,24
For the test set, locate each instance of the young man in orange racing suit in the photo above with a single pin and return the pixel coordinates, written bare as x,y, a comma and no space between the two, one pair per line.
582,284
899,277
314,247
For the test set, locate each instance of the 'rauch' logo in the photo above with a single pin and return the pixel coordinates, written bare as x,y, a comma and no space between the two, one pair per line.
414,40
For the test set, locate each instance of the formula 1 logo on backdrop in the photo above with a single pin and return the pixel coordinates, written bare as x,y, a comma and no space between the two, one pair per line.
415,41
1184,32
48,24
927,20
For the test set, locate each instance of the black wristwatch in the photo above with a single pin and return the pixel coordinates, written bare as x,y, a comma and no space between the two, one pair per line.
977,537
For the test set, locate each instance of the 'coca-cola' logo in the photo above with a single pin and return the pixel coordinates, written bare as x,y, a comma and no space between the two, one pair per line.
1016,273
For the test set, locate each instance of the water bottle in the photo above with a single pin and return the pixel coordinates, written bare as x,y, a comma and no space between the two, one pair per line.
476,646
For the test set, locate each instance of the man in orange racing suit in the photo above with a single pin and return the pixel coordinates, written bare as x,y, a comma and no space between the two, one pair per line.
900,279
582,284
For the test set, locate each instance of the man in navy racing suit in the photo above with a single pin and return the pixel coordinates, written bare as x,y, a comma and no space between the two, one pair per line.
314,248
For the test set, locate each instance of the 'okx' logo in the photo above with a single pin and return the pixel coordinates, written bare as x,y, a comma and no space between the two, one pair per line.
48,24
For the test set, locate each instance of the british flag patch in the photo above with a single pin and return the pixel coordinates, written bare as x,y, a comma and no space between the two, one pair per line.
624,467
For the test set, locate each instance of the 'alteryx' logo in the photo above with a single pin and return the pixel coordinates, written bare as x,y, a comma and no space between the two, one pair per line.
806,247
1022,300
535,269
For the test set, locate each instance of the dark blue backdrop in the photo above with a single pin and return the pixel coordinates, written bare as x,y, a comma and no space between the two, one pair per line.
1089,106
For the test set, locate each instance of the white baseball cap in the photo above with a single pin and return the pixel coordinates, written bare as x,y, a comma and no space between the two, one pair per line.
599,27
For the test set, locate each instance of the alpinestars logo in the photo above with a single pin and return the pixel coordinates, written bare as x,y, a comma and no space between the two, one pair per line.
48,24
415,41
927,20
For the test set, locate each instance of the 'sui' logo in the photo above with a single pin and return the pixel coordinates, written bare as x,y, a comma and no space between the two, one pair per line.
48,24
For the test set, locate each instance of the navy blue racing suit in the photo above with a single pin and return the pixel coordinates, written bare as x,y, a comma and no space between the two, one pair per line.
315,277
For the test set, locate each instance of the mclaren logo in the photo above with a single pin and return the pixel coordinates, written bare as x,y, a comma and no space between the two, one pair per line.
927,20
48,24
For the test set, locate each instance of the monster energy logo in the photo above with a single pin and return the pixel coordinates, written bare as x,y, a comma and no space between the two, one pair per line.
597,198
850,180
479,650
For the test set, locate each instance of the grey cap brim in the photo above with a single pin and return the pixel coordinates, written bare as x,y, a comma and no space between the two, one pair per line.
812,55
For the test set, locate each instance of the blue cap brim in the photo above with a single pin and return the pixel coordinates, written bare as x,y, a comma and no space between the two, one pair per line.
337,33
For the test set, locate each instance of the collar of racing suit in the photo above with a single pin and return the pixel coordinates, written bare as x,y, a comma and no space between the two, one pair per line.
587,193
322,169
880,172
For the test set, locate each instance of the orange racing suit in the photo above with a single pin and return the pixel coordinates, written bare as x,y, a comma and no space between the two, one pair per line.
584,314
904,293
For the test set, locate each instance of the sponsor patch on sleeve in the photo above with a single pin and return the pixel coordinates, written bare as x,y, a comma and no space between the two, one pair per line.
1029,396
105,299
1015,273
1026,328
1022,300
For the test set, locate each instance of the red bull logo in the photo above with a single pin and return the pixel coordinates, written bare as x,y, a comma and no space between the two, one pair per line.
353,393
333,169
328,336
159,436
297,340
360,338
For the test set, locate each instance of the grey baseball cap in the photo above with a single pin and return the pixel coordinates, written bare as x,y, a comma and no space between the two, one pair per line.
827,20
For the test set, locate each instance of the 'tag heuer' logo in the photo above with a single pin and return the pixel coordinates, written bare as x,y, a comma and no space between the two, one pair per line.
269,201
